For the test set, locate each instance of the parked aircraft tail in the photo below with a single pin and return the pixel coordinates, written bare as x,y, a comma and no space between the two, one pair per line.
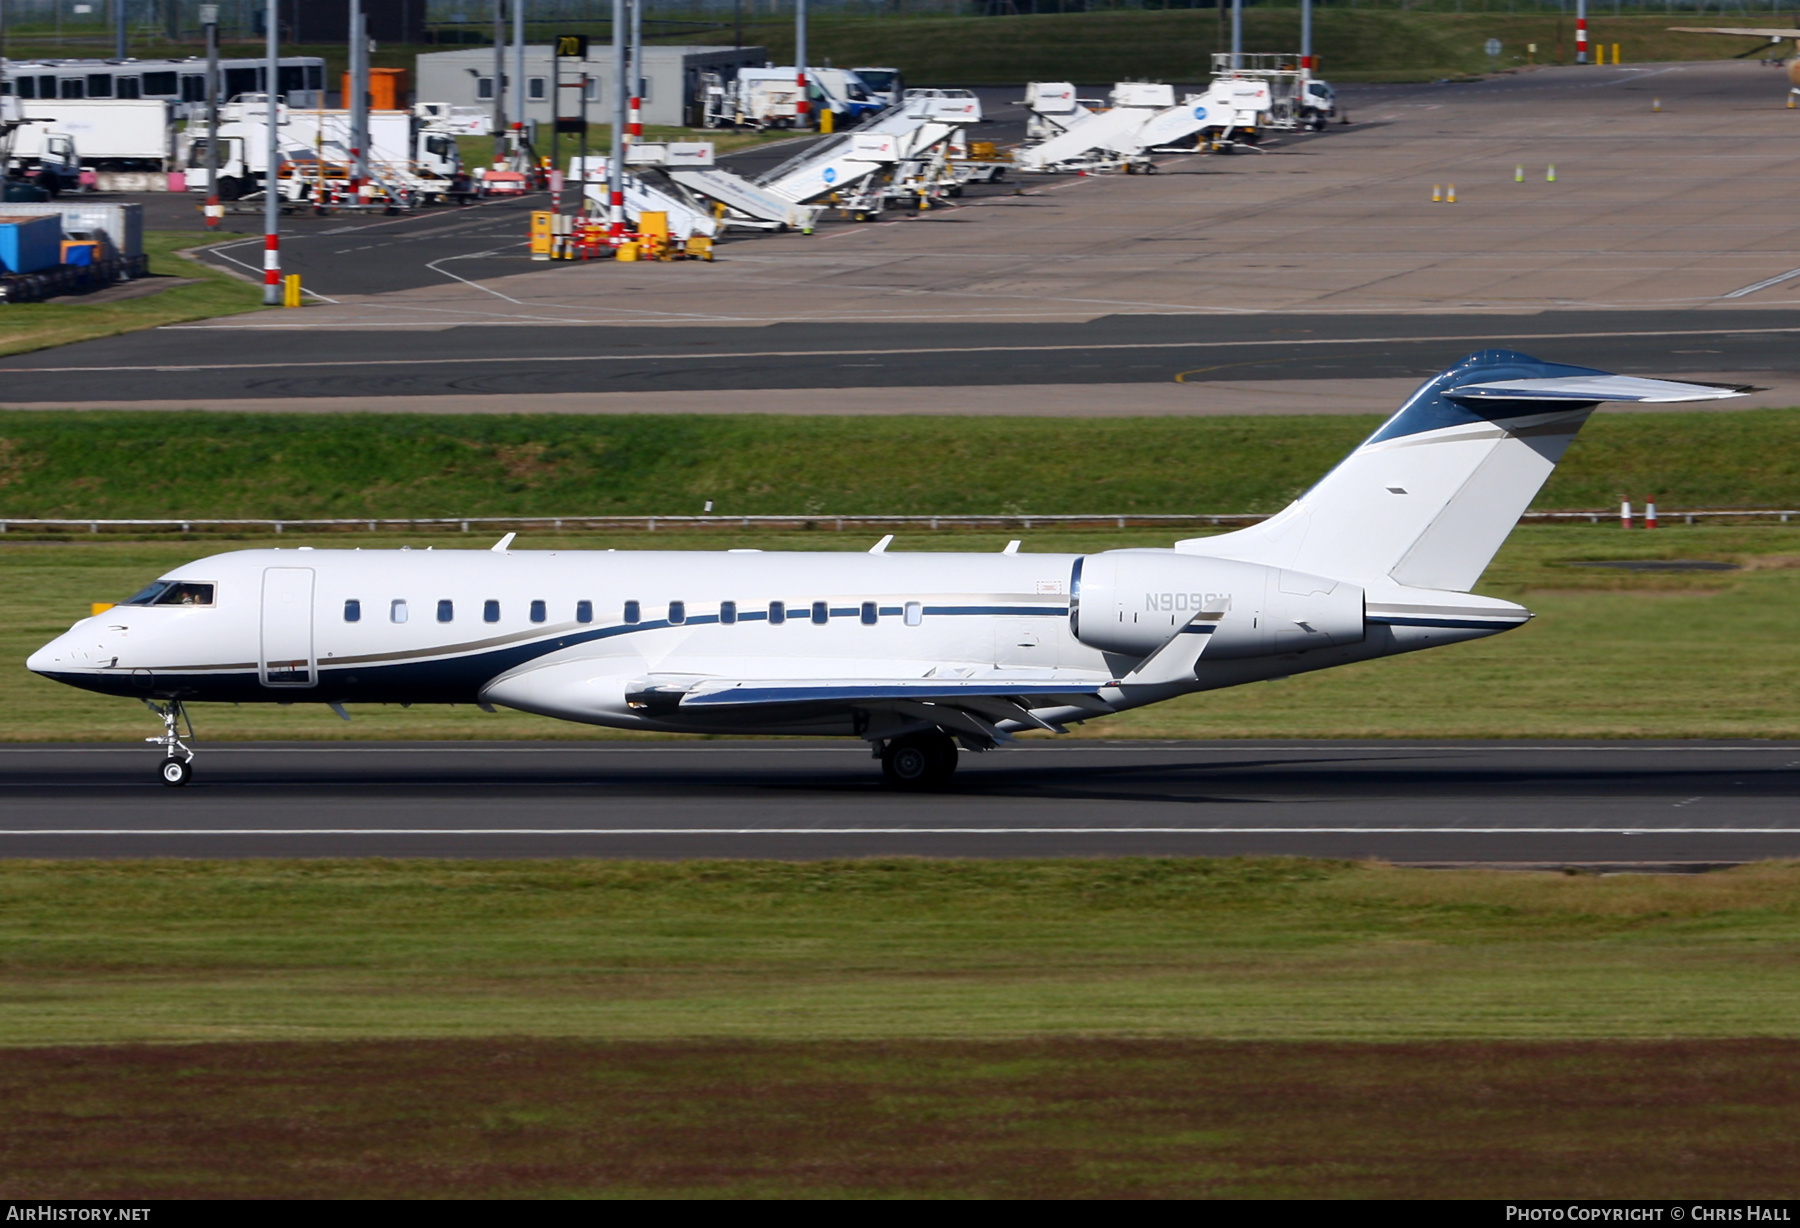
1427,499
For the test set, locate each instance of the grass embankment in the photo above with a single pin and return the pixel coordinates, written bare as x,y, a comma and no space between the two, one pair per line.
112,464
1611,654
36,326
1360,44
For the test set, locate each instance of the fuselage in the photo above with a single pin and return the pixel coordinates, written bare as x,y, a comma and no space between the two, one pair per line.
586,635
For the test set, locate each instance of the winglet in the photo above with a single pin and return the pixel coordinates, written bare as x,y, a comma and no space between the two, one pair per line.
500,546
881,546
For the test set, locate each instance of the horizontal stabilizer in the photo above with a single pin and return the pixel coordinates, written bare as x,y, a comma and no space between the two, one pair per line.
1775,33
1588,389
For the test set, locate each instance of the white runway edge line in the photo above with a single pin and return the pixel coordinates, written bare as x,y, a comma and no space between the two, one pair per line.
437,360
903,831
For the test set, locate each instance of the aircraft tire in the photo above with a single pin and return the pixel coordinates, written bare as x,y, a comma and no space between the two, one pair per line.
175,772
919,761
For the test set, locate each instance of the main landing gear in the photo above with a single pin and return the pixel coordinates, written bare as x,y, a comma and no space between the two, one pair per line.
177,767
919,761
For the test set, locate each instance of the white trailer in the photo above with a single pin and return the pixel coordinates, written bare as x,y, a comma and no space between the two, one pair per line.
110,134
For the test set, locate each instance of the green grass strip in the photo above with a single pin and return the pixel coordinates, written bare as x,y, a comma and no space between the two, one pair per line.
894,948
112,464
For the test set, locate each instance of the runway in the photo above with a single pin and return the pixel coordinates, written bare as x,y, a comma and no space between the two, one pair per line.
1606,804
1113,350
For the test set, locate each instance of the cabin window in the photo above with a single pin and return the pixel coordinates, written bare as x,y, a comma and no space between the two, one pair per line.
490,611
821,613
128,87
446,611
632,613
538,612
584,611
99,85
677,613
159,84
238,81
777,612
397,610
915,613
70,87
352,610
868,613
27,87
728,612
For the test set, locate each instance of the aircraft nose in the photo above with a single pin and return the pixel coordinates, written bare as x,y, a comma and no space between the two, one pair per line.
51,658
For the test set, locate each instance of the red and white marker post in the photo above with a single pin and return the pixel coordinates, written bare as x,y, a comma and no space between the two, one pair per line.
1625,514
1581,31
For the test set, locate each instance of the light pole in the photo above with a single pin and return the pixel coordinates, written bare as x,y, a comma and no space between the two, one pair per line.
359,98
615,165
1237,33
271,185
802,107
499,78
519,75
1306,33
209,18
119,39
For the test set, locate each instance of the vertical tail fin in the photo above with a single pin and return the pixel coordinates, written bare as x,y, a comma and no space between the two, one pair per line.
1429,497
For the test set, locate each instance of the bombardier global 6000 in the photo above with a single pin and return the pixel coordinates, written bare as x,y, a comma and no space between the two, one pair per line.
921,654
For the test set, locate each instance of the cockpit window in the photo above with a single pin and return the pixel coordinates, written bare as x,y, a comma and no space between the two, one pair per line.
173,592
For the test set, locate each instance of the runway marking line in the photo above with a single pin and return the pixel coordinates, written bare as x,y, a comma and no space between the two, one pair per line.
902,831
439,360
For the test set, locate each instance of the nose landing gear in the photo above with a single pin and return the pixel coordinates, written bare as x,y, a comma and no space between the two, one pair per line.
177,767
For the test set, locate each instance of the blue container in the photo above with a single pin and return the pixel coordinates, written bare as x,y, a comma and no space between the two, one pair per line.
29,244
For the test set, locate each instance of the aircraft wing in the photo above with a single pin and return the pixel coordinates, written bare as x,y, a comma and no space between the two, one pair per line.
973,708
1772,34
1591,388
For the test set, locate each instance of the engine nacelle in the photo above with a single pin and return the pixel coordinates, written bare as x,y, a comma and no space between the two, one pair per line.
1132,601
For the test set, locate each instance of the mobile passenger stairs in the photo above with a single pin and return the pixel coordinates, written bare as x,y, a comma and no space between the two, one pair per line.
1143,120
900,155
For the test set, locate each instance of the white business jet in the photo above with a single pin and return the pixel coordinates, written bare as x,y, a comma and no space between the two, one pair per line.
918,654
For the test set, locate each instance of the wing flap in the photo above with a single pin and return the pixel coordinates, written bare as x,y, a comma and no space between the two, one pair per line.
1034,692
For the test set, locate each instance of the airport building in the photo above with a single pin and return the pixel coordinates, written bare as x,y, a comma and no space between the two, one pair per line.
672,75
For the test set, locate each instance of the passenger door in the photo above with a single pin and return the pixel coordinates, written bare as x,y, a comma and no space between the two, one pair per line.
287,628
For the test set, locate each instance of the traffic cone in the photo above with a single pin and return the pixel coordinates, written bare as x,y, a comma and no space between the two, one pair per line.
1437,193
1550,175
1450,196
1518,174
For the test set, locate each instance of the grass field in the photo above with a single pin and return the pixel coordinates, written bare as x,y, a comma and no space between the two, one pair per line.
1261,949
903,1027
36,326
1022,1119
1612,654
114,464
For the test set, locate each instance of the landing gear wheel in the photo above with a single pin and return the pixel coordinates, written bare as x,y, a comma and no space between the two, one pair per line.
919,761
176,772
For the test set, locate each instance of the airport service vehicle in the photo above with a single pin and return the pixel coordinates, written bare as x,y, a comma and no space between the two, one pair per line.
685,214
844,92
108,134
300,80
1297,97
407,156
1143,118
915,653
885,85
